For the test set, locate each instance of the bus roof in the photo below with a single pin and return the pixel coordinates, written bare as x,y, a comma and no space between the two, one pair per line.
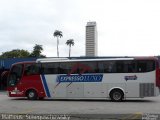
48,60
44,60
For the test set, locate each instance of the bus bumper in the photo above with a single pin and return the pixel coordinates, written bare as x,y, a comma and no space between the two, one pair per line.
15,94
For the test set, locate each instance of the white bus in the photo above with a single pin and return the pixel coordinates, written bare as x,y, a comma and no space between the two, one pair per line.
109,78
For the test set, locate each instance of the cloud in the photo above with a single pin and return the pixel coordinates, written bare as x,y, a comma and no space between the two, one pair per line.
124,27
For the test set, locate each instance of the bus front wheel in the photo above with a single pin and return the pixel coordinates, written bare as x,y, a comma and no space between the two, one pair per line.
116,95
32,95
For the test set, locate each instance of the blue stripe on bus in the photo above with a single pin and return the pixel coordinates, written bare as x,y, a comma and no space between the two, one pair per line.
45,86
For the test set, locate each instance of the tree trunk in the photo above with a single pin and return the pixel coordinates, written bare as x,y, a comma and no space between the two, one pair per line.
57,47
69,51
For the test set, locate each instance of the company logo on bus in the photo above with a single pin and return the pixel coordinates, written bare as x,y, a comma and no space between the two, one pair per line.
134,77
80,78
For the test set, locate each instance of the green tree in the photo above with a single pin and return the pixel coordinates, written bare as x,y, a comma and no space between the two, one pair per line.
57,34
16,53
37,50
70,43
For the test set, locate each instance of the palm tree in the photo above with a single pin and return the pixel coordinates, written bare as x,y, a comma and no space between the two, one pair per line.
37,50
57,34
70,42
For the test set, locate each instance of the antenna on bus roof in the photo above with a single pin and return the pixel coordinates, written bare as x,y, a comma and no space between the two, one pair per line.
49,59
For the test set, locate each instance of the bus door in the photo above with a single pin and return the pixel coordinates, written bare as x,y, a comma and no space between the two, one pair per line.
14,80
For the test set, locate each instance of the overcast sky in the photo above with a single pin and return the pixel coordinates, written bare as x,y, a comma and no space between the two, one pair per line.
125,27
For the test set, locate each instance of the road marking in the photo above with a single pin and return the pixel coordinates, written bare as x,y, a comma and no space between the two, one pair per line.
137,115
27,111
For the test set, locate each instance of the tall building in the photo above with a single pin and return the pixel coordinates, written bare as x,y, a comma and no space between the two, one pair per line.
91,39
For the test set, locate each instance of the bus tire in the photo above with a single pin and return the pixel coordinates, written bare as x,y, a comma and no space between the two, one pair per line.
32,95
116,95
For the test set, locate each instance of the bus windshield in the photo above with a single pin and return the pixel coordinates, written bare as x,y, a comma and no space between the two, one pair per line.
15,74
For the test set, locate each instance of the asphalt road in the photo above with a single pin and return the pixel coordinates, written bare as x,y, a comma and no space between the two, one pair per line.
134,108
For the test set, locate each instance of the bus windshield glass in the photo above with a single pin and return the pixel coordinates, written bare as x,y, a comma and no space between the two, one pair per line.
15,74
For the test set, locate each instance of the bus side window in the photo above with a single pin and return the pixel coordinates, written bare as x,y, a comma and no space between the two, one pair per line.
73,68
129,67
64,68
106,67
141,67
151,65
100,67
68,68
50,68
120,67
88,67
32,69
146,66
